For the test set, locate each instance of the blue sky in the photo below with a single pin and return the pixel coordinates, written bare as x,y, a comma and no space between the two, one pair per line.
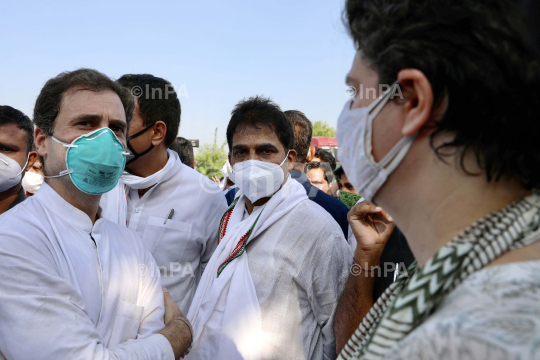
217,52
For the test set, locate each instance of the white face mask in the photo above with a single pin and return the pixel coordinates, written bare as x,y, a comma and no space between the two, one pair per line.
10,172
354,134
32,181
258,179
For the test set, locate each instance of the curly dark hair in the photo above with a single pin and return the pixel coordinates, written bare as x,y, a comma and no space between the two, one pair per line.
473,52
49,101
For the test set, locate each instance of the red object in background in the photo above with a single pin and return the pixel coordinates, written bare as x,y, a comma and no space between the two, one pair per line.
324,142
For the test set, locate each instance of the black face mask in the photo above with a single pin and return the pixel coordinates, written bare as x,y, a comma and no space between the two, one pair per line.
136,155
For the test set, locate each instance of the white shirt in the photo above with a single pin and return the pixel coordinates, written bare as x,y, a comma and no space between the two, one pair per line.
299,267
493,315
73,290
183,244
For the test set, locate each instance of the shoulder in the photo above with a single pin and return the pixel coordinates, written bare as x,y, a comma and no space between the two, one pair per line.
25,234
491,315
22,220
328,202
315,222
199,185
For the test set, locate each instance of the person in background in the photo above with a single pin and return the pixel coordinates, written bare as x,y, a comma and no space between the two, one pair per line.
187,151
346,193
270,290
320,175
303,130
184,149
33,178
84,294
325,156
448,146
16,157
174,209
343,182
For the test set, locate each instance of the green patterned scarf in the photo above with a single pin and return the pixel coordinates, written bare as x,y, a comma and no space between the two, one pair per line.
410,300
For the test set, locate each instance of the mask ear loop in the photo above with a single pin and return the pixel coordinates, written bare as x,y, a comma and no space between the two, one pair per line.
133,152
63,172
374,109
25,165
286,156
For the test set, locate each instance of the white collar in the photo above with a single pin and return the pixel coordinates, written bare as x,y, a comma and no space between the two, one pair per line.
49,198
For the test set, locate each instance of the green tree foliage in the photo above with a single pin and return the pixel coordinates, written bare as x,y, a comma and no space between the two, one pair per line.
323,129
210,158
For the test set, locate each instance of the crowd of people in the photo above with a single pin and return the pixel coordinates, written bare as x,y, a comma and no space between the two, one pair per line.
420,241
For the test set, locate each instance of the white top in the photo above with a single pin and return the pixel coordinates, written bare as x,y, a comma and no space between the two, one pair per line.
183,244
299,267
73,290
493,315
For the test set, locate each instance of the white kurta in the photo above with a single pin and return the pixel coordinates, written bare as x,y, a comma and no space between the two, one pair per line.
299,267
183,244
73,290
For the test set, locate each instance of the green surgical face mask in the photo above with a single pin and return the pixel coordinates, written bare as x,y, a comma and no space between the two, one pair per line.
94,161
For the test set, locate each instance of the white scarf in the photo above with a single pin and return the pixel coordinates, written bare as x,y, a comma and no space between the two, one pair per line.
115,209
225,311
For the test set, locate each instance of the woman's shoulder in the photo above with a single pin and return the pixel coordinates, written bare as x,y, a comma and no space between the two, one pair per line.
493,314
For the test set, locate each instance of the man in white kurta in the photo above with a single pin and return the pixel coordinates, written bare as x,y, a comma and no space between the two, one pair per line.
174,209
73,290
271,288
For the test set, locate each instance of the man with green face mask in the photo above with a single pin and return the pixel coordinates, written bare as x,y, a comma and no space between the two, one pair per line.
61,262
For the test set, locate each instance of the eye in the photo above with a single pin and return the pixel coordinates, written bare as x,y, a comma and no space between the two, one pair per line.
6,149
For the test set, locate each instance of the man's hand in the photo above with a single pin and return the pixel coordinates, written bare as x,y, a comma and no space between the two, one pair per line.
216,180
372,228
177,332
171,309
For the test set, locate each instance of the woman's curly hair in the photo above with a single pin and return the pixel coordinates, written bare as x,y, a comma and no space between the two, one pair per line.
474,52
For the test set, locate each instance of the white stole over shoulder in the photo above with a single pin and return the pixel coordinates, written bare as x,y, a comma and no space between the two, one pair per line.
225,311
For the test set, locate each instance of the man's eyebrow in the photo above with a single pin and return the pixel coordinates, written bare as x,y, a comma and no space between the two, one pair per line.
120,123
86,117
239,146
13,146
266,146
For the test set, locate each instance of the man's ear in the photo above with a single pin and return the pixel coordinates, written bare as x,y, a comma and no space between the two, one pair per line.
292,159
159,132
32,157
311,154
229,157
419,100
39,141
